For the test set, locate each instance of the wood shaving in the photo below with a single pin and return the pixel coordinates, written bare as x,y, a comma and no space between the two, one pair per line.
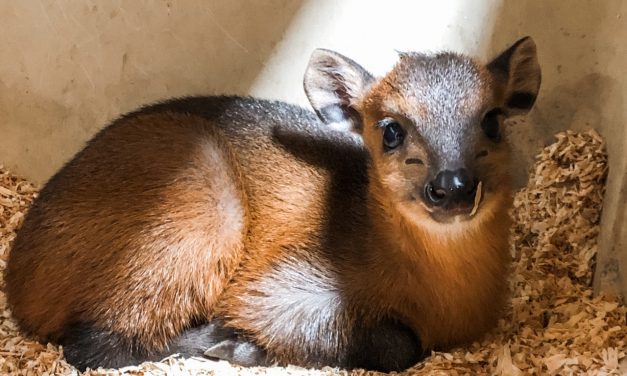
554,326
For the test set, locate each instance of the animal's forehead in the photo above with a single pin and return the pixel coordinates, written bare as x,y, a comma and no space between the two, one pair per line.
422,84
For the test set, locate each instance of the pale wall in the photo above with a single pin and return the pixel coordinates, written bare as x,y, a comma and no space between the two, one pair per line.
584,60
66,68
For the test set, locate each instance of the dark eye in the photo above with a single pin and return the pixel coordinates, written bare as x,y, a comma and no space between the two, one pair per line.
393,135
491,126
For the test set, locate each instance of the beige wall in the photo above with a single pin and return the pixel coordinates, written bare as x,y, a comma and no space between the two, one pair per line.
66,68
584,60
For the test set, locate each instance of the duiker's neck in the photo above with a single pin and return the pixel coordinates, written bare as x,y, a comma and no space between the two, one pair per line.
441,279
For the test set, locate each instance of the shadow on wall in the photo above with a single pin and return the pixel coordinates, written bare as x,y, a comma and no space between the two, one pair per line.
583,55
68,69
579,91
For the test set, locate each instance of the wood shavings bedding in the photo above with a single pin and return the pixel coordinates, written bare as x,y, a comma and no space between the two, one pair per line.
555,325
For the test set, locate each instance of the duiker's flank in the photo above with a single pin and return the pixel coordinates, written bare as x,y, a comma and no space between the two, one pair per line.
261,232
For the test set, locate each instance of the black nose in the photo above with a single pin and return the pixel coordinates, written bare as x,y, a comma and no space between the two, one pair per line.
452,188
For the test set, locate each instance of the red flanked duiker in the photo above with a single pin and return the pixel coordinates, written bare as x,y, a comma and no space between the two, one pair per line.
258,232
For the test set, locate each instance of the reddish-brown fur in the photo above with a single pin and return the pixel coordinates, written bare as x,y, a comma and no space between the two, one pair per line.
173,217
132,284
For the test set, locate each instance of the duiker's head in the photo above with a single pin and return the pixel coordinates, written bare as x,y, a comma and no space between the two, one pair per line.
433,124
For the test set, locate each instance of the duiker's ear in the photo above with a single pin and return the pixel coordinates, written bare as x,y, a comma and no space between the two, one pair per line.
334,84
518,76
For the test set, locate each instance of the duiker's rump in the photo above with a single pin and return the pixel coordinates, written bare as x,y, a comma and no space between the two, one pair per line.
259,231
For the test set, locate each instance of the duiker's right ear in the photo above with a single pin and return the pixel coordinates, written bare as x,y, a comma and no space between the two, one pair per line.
518,76
334,84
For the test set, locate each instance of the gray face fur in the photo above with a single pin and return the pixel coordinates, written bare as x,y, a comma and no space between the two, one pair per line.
449,109
449,98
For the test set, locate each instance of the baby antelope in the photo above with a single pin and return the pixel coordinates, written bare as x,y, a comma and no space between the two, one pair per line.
361,235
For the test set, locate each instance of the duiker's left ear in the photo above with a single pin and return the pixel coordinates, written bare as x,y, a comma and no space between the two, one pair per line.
518,75
334,84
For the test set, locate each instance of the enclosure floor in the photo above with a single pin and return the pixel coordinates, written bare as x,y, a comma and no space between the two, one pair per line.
554,324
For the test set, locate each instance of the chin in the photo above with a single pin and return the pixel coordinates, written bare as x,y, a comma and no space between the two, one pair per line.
437,220
452,216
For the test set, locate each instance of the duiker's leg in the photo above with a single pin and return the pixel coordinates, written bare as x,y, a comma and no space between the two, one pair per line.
215,340
297,310
84,345
386,346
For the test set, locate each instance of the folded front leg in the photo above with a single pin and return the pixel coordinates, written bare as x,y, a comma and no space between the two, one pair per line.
299,312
